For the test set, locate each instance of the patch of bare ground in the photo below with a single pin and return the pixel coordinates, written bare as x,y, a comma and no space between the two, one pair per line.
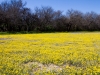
2,40
35,67
5,38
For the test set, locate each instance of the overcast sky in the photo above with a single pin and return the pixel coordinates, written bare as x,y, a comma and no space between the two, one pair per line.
63,5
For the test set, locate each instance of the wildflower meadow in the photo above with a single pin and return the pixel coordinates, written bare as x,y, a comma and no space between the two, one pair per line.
73,53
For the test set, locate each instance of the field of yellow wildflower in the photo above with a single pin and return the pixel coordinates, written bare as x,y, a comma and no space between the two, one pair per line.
50,54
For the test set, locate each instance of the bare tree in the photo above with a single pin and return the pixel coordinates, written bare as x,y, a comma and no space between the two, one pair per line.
76,18
45,15
90,21
14,16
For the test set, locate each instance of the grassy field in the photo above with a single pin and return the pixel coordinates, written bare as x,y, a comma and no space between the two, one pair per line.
50,54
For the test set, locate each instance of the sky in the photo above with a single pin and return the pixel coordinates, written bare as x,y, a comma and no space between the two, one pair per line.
64,5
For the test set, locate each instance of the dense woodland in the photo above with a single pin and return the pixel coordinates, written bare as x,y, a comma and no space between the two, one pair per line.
16,17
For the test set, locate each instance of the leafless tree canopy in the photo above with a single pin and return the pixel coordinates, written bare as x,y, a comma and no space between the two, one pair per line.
16,17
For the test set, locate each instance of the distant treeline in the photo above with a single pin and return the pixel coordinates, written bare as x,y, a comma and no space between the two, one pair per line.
16,17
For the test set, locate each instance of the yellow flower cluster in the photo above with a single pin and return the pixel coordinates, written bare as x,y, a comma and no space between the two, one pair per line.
75,53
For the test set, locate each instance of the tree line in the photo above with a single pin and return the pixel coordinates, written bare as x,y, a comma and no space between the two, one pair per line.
16,17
